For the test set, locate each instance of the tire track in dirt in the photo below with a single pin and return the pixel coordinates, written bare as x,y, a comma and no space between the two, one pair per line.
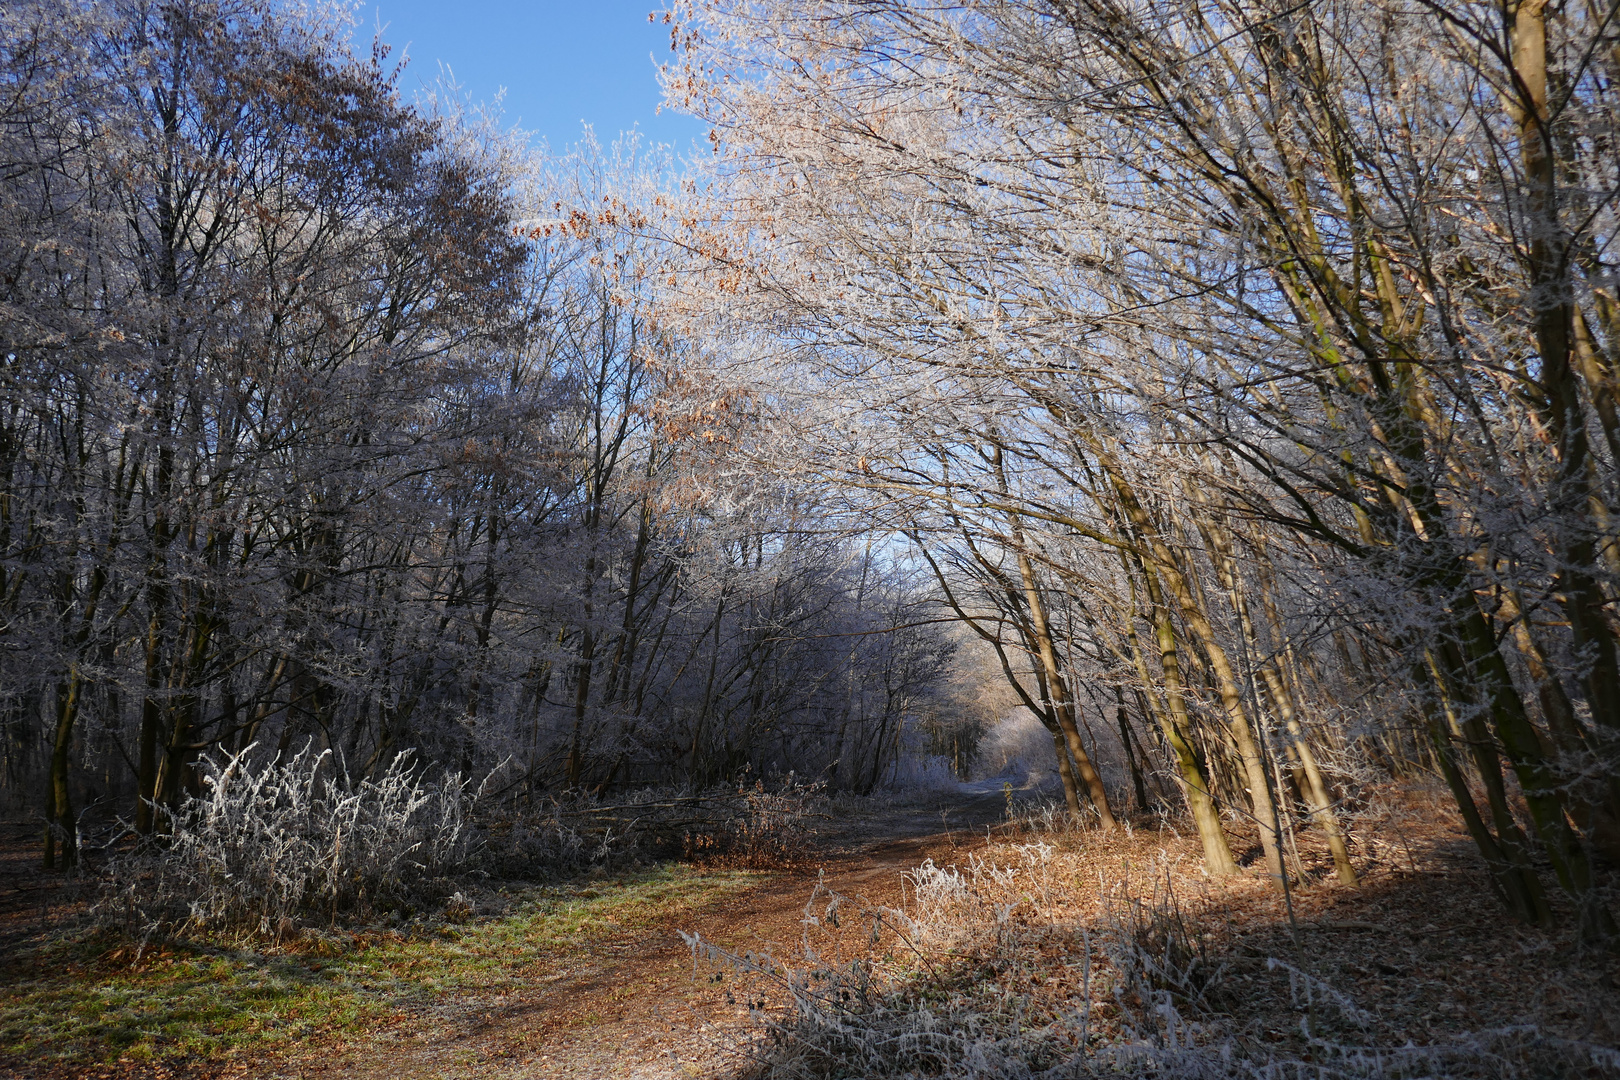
633,1006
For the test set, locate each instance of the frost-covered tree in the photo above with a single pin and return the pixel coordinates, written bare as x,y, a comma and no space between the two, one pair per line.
1281,304
340,419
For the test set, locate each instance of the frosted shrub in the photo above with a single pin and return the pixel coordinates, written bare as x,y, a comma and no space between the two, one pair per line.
939,893
759,825
545,843
1044,814
268,846
941,1004
774,825
951,903
1155,948
1004,968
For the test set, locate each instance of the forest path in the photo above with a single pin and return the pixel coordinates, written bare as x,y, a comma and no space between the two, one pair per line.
632,1005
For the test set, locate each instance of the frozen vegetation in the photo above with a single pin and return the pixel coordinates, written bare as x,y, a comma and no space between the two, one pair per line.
1205,412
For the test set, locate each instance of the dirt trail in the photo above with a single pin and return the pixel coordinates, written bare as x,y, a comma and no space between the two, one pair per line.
630,1006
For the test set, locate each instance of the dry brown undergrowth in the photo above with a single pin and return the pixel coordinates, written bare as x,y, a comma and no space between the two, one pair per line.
1008,956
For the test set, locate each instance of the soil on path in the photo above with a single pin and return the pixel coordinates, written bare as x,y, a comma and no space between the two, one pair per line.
636,1005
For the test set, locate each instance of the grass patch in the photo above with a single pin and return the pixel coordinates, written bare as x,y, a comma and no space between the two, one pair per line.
79,1000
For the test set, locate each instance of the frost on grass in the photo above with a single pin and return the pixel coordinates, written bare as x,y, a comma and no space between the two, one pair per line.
269,846
1008,966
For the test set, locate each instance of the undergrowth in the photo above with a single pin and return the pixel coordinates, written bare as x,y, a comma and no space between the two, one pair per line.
273,848
289,901
1032,959
270,845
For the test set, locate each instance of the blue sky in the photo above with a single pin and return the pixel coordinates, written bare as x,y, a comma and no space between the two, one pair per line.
561,63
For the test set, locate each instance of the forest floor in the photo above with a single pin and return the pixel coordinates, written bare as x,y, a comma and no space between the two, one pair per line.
593,979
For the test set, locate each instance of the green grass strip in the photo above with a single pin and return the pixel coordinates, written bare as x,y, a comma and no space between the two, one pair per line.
76,1003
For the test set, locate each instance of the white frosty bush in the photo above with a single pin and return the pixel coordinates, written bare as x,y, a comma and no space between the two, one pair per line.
267,846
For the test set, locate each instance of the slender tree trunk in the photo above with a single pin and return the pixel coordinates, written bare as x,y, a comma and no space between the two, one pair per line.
146,786
1062,702
695,769
1046,652
1594,803
1552,304
1318,796
61,824
1483,667
1047,715
1123,719
1177,727
1226,683
1512,875
582,693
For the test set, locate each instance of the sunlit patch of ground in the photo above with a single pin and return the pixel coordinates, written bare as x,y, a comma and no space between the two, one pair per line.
99,999
1019,964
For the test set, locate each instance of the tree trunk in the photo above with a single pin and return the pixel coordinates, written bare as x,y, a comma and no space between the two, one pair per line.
1254,767
1177,726
1062,702
61,824
1318,797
